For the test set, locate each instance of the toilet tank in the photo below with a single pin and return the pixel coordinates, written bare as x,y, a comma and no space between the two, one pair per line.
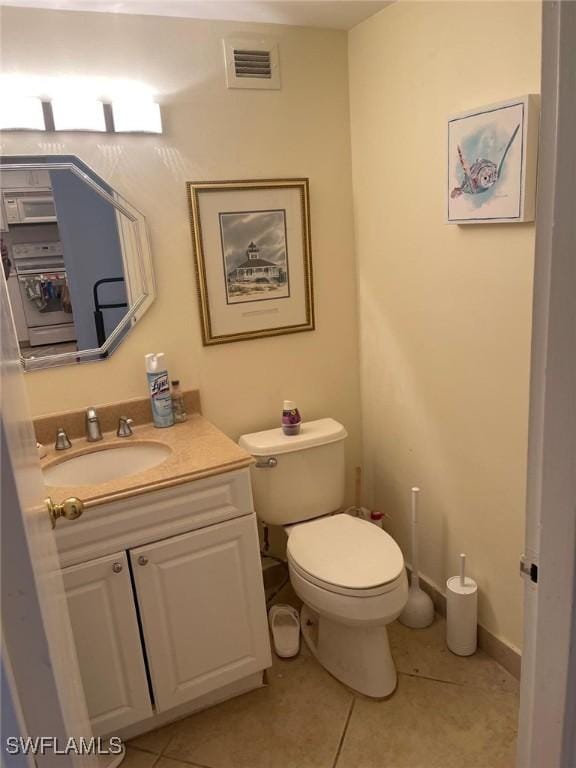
298,477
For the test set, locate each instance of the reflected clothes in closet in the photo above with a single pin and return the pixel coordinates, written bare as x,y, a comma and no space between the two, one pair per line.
49,293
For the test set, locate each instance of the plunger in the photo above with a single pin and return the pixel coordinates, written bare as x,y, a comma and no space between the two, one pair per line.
419,610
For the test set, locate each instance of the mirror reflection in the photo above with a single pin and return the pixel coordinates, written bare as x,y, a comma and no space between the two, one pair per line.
76,259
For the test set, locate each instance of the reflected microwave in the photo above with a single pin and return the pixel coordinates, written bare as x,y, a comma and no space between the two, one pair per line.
29,207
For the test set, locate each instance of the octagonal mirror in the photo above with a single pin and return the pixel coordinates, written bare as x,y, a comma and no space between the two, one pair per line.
76,257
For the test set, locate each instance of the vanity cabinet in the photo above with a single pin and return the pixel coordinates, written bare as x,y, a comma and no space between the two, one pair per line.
201,605
105,627
176,609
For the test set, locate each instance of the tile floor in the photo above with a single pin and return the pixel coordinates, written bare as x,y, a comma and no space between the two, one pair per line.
447,712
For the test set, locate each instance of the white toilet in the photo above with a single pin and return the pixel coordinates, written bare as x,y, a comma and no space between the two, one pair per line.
349,573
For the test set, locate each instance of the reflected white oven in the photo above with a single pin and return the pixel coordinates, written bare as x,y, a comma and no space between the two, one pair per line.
43,286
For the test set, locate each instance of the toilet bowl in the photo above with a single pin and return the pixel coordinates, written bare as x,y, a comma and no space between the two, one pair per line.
351,579
348,572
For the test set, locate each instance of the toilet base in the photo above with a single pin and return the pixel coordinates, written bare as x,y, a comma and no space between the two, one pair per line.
359,657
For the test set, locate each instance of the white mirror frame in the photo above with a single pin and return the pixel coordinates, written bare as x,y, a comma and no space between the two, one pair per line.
145,270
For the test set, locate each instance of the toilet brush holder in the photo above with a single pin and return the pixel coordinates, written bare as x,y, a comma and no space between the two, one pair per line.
462,613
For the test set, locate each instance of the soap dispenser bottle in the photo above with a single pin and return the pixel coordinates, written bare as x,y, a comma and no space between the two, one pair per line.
159,387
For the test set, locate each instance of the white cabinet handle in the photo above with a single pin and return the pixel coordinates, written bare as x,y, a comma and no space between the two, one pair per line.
117,567
142,560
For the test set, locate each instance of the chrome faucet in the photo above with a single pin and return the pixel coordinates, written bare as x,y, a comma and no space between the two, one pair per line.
93,431
124,427
62,440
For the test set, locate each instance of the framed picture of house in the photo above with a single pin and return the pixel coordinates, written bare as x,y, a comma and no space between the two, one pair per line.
252,250
492,163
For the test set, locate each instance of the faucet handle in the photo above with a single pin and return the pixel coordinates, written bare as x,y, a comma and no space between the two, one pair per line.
124,427
62,440
93,431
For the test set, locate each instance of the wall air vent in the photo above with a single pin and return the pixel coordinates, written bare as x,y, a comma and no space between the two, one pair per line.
251,63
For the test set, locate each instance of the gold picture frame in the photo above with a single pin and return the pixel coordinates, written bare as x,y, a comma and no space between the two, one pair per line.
253,257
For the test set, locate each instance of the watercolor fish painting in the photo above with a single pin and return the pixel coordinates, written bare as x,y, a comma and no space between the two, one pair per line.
491,173
482,174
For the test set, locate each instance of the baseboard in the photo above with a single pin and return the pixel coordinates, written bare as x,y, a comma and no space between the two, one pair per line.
501,652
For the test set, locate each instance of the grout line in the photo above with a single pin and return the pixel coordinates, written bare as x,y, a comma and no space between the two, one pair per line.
173,728
464,684
433,679
144,752
182,760
178,760
344,730
147,750
165,747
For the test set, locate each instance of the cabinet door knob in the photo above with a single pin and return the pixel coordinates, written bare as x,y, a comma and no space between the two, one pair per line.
142,560
117,567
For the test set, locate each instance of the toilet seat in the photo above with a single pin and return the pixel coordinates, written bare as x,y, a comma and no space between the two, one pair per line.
382,589
346,555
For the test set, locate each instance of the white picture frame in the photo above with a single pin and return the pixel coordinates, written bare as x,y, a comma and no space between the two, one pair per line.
491,164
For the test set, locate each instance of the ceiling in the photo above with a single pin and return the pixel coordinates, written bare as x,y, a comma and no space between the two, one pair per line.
331,14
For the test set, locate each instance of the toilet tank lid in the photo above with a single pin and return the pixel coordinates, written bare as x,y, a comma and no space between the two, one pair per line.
312,434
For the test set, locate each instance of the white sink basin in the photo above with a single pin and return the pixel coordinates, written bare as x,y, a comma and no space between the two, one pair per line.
110,463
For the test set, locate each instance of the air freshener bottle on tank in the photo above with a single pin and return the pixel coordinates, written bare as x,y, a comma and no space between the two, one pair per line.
159,387
291,419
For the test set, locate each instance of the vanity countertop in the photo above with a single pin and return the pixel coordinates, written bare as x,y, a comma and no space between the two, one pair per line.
198,449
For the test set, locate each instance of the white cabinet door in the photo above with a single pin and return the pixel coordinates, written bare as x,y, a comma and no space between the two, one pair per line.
203,610
26,180
105,627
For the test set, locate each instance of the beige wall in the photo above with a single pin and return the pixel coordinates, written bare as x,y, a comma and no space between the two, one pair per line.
210,133
444,310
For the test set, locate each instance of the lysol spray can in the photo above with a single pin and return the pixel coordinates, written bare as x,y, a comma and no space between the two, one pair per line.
159,387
